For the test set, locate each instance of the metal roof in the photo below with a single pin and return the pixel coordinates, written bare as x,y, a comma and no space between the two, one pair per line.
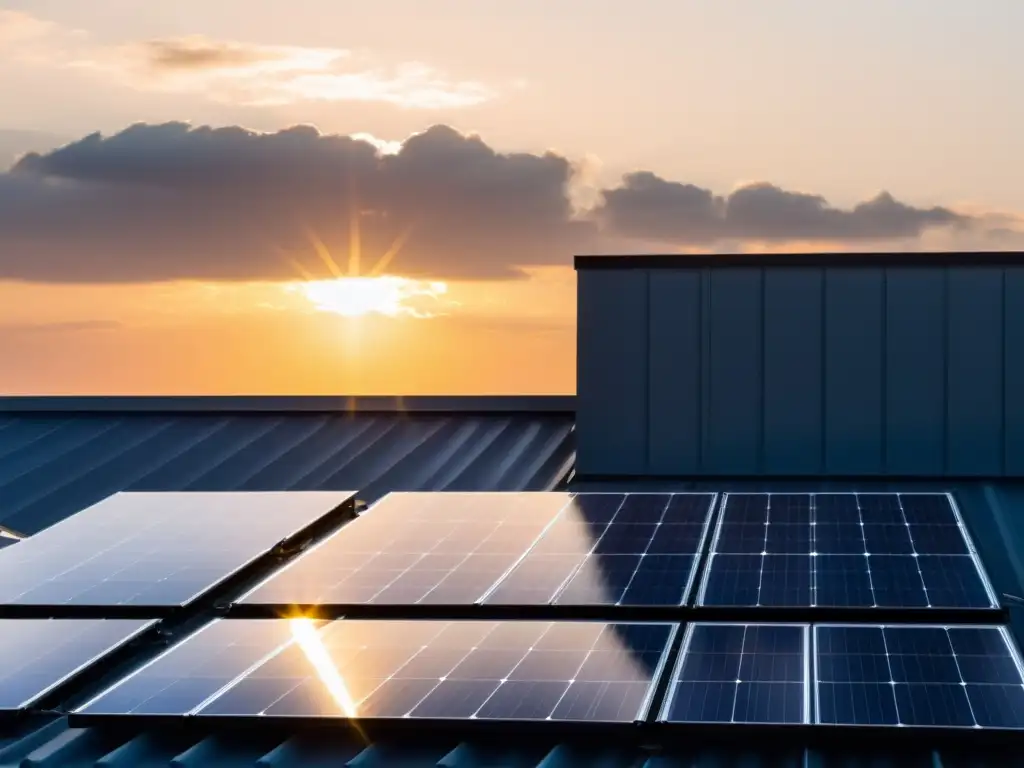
58,456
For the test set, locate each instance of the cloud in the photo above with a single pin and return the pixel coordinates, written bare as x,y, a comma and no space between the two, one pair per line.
236,72
648,207
165,202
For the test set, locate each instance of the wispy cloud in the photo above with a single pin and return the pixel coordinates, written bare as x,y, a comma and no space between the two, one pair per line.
238,72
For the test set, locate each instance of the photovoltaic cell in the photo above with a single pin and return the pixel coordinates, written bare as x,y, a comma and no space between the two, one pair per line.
843,550
154,549
635,549
740,673
967,676
278,668
40,654
511,549
409,548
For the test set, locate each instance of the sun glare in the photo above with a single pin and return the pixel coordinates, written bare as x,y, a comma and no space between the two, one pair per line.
385,295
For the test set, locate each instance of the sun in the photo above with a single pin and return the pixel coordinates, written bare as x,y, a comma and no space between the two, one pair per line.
386,295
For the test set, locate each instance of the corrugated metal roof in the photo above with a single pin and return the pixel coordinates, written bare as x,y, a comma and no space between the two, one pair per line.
55,460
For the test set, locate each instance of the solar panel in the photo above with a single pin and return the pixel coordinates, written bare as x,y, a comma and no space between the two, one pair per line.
968,676
843,551
389,669
741,673
409,548
637,549
40,654
154,549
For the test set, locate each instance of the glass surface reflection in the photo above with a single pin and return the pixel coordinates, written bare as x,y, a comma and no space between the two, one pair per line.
364,669
409,548
613,549
39,654
154,549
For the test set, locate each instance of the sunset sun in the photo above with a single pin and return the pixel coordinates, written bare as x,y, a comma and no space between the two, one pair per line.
360,296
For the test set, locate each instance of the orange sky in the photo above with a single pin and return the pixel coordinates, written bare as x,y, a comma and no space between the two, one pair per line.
162,259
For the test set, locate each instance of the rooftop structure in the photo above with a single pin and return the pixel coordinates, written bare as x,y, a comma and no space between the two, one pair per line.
778,374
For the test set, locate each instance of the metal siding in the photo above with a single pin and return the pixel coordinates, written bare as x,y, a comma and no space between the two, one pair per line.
974,439
733,420
611,399
675,374
915,366
51,466
1013,355
793,371
854,360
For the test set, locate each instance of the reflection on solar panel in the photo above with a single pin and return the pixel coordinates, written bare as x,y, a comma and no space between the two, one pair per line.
154,549
740,673
843,550
297,668
918,675
438,548
40,654
612,549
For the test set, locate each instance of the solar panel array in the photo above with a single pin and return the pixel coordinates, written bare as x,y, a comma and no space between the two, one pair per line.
154,549
618,575
843,550
503,549
39,654
433,670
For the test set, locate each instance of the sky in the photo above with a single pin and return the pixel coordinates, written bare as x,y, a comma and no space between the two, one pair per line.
329,197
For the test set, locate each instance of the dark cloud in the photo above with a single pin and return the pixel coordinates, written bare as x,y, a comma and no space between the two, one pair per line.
650,208
198,55
157,202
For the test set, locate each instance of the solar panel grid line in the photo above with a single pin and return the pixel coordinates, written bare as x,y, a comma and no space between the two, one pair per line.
241,676
505,582
153,551
708,682
54,652
606,568
519,560
394,670
598,541
924,682
142,668
802,558
435,543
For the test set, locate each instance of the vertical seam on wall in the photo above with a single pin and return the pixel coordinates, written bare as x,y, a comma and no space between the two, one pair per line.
945,364
647,372
764,375
701,366
823,372
707,289
884,436
1002,379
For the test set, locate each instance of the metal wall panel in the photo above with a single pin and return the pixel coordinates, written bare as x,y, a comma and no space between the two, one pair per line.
915,372
674,427
975,372
856,371
733,420
793,396
1013,357
612,317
